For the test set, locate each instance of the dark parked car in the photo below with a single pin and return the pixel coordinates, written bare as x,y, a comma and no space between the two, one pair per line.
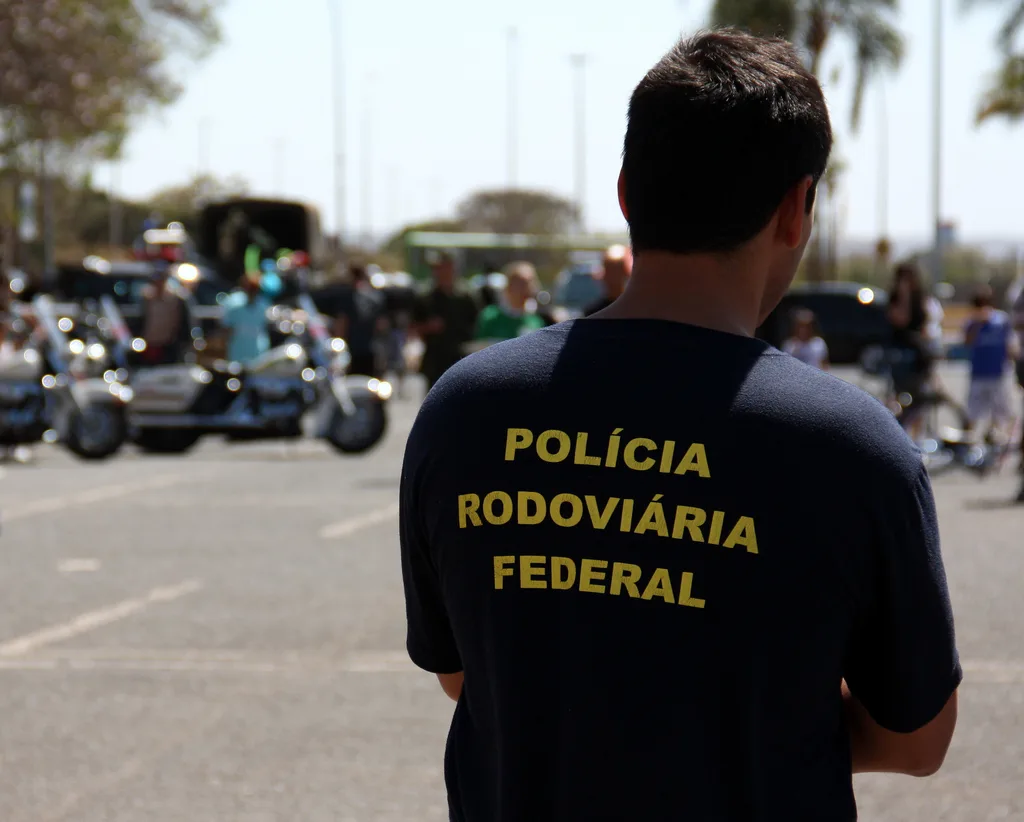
851,317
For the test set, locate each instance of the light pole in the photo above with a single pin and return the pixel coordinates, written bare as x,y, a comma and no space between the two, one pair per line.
394,199
116,217
883,164
367,163
339,119
513,114
279,160
202,159
579,62
937,144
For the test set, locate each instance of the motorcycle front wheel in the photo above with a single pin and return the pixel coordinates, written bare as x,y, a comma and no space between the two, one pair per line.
358,432
96,432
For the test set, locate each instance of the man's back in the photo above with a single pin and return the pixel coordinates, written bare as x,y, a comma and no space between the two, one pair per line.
656,550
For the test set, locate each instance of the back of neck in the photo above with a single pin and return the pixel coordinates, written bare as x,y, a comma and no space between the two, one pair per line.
697,290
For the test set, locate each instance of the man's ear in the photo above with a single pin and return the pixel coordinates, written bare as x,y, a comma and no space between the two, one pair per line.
622,194
794,216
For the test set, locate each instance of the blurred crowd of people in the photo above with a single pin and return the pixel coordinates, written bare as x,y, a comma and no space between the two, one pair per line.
451,321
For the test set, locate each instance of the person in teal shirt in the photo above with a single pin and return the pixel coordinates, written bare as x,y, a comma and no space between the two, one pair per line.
515,313
245,314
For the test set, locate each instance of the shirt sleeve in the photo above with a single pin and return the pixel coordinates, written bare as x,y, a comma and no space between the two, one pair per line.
903,663
429,639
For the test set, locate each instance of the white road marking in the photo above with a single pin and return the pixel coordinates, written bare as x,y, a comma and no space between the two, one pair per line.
303,663
347,527
92,496
96,619
78,566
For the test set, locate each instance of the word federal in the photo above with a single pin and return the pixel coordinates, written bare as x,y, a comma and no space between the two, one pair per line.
595,576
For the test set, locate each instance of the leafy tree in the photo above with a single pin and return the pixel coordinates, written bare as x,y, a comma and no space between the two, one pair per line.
180,203
516,211
814,24
74,71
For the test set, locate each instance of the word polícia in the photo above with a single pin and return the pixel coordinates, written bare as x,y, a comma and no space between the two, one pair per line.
638,453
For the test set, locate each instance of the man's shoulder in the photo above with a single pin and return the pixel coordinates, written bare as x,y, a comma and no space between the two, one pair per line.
511,366
830,416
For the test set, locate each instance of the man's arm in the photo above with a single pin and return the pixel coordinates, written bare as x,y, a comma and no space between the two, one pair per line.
874,749
902,670
451,684
430,640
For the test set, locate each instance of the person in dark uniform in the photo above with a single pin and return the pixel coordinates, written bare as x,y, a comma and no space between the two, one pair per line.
908,319
615,269
445,319
718,596
363,324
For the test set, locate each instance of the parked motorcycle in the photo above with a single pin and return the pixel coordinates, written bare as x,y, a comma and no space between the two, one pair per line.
42,401
174,406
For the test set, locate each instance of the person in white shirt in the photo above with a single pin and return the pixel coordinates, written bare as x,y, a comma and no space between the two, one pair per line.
805,343
933,327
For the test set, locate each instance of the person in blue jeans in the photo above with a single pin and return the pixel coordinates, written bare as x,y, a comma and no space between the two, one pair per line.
245,314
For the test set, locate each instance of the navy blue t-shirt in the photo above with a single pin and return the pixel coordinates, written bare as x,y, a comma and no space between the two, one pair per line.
656,550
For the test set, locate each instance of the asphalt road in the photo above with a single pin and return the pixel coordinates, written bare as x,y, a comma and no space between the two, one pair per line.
220,637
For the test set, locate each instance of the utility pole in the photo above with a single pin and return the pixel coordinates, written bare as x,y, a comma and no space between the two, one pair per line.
280,148
579,62
114,202
202,159
367,164
937,144
884,244
394,199
883,164
339,120
513,110
49,217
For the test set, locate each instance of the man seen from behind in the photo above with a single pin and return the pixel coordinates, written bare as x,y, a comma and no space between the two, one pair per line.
715,596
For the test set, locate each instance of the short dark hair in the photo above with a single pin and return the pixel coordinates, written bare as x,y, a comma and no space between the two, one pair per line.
719,131
984,296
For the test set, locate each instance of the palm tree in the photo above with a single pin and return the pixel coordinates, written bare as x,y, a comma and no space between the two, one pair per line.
813,24
1011,27
765,18
1005,97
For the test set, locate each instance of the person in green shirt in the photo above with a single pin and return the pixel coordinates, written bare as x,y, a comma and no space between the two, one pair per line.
515,313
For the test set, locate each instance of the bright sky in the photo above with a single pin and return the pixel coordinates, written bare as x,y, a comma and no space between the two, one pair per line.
426,106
